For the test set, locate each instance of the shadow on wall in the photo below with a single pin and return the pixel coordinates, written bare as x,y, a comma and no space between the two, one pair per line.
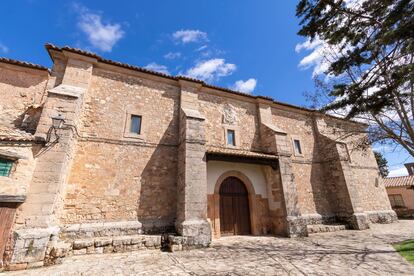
29,119
323,191
23,90
158,196
327,179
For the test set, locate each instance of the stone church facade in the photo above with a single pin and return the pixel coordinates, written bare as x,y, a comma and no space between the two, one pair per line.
100,156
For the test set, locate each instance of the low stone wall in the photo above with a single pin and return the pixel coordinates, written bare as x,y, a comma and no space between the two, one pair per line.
383,216
100,229
311,219
48,246
102,245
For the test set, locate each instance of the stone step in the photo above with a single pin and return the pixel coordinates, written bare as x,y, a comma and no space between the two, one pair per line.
323,228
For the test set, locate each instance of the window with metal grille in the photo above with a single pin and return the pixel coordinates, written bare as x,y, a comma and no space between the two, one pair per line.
231,137
396,201
5,166
135,124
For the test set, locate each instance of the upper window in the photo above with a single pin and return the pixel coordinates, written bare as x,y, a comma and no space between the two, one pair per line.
135,126
231,137
298,147
396,201
5,166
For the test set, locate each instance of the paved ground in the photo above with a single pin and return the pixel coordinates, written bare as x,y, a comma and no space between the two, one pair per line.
341,253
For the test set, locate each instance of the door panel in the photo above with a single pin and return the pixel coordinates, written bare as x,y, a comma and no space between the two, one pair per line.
234,208
226,215
7,212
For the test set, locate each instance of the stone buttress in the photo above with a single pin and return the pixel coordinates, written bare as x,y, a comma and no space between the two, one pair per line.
192,175
39,215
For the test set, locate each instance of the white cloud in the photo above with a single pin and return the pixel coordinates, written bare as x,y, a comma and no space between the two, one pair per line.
212,69
172,55
187,36
3,48
318,58
401,171
245,86
157,67
201,48
102,36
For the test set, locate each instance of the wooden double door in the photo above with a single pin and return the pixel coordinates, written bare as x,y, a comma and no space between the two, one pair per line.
234,208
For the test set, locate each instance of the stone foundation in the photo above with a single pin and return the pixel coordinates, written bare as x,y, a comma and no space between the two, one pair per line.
311,219
296,227
384,216
195,232
100,229
102,245
48,246
30,244
323,228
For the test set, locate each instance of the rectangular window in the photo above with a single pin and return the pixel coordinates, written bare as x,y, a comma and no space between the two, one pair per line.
231,137
298,148
135,124
396,201
5,166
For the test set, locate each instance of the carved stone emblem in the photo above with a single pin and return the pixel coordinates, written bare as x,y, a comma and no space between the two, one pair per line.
229,115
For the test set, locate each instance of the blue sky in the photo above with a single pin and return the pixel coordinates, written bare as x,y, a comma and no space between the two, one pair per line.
244,45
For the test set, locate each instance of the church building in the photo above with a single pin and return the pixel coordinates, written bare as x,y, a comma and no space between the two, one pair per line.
98,156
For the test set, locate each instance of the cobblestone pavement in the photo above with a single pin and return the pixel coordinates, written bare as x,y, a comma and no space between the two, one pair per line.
340,253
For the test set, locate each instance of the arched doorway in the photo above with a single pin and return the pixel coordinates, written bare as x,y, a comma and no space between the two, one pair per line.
234,207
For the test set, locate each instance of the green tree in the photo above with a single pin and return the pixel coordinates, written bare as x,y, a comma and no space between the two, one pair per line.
382,164
368,53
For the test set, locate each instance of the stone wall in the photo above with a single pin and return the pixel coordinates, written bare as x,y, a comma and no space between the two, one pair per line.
253,171
313,195
245,121
109,165
22,90
16,186
95,187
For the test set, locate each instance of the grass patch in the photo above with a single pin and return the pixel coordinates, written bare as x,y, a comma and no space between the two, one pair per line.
406,249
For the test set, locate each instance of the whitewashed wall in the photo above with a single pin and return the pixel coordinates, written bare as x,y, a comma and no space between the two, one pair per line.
254,172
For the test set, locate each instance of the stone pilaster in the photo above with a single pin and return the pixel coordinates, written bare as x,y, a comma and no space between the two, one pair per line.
283,196
38,218
192,170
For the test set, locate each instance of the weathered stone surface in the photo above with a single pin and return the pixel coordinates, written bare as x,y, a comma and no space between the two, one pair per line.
95,179
367,252
79,244
101,229
30,244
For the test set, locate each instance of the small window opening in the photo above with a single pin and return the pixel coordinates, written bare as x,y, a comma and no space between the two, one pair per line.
231,137
5,166
135,124
298,148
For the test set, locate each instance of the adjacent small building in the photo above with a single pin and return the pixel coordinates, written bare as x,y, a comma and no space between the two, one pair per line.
98,156
401,192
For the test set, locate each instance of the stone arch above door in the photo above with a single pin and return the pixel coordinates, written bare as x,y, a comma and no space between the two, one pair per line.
256,204
237,174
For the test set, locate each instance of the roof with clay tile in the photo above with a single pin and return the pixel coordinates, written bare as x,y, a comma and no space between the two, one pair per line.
400,181
240,152
50,46
23,63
